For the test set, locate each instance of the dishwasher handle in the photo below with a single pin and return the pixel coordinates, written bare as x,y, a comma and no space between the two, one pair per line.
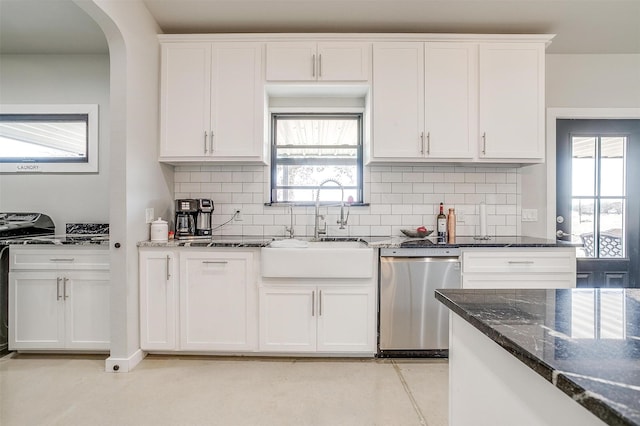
395,259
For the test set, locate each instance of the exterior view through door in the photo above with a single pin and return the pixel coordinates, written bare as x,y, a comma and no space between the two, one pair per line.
598,198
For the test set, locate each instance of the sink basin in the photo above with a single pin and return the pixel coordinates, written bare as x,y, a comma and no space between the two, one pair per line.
319,259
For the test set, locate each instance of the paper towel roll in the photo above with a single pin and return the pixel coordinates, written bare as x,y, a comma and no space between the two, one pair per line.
483,220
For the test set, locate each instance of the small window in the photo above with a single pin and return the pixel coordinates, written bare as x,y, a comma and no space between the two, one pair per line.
308,149
48,138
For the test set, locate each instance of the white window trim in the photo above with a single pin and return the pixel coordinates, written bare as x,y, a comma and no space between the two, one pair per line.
43,167
316,110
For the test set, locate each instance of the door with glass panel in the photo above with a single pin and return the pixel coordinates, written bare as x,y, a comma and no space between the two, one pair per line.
598,198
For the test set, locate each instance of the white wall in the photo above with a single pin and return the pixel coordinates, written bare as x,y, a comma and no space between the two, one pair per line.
576,81
59,79
137,179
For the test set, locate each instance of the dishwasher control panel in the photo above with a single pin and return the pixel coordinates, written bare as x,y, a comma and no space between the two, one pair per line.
421,252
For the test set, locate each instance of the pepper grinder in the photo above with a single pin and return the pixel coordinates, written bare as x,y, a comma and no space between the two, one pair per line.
451,226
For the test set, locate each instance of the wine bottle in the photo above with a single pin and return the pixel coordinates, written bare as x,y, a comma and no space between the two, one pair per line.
442,225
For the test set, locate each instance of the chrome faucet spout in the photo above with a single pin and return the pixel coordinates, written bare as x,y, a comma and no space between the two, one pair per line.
342,221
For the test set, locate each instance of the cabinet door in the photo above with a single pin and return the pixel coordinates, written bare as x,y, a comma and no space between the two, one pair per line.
291,61
346,319
398,100
343,61
86,299
158,300
36,311
216,312
450,100
288,319
185,100
511,101
237,100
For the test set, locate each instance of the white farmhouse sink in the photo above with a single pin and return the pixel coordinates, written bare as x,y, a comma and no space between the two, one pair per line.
320,259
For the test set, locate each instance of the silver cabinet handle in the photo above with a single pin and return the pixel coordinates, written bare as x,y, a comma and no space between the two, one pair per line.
211,142
313,303
215,262
320,65
168,261
428,143
520,262
313,65
64,291
421,143
58,296
205,141
62,259
484,143
320,304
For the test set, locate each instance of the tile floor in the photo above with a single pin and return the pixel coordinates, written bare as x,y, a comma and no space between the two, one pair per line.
73,390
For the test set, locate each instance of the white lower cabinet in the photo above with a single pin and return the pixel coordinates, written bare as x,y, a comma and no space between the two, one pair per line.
198,300
539,267
158,300
216,309
59,308
318,318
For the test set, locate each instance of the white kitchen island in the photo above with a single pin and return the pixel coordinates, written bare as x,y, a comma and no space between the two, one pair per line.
513,360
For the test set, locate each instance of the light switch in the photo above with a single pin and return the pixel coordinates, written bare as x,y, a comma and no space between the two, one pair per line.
529,215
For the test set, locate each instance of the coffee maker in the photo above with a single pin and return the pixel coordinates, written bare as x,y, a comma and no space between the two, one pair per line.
203,219
186,215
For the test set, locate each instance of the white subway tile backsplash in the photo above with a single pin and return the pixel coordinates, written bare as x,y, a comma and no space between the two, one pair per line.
399,196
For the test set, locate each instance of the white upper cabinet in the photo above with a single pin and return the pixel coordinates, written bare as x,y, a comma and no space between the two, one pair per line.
323,61
471,101
424,101
212,102
450,100
398,100
512,101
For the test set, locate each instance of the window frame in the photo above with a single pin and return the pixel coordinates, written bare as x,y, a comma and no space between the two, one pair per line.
56,165
359,147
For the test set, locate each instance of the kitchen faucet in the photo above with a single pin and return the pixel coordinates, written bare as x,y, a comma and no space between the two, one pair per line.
342,221
289,229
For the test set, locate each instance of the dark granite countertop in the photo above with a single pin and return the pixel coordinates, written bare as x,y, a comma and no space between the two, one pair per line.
232,241
592,355
468,241
372,241
89,234
67,239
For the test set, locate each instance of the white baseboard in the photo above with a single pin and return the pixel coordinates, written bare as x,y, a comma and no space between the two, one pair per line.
124,365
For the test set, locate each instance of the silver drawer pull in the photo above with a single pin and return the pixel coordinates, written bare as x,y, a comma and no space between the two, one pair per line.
521,262
215,262
58,297
62,259
64,287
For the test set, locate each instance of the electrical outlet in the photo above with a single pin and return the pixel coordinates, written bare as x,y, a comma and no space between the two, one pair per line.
529,215
149,215
460,217
238,215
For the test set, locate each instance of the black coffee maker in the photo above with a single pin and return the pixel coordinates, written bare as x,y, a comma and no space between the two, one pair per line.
186,215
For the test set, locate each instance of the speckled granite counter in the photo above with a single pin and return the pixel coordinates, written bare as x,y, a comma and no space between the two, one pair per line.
462,241
372,241
239,241
76,234
593,355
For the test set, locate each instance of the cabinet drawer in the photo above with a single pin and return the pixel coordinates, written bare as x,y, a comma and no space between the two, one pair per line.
528,281
28,258
519,261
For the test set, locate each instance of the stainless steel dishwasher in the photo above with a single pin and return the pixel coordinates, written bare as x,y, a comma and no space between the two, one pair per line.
412,322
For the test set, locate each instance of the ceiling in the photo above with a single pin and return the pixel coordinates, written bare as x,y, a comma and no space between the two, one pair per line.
582,26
